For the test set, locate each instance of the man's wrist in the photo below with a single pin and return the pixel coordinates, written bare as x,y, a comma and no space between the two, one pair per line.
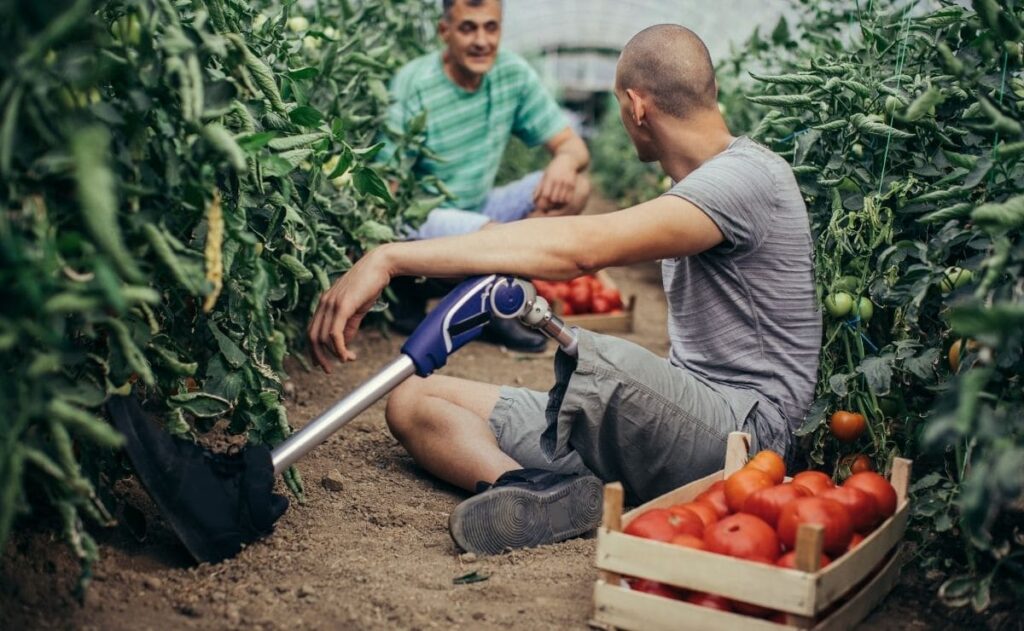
384,257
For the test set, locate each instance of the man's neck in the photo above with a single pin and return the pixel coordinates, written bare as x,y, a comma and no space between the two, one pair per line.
687,144
459,76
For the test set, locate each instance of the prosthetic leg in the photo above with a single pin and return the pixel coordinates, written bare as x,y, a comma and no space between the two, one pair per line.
216,503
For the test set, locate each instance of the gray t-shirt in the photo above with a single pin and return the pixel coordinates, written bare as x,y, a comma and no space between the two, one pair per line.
743,314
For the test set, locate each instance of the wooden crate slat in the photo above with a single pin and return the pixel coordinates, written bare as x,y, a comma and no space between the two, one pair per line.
867,598
850,569
757,583
678,496
636,611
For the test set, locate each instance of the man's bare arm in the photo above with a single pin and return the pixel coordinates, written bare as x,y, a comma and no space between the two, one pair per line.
569,157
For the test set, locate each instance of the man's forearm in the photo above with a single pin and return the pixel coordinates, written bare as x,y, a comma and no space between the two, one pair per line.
557,250
576,150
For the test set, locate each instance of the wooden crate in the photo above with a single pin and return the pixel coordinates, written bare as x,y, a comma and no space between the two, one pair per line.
863,576
602,322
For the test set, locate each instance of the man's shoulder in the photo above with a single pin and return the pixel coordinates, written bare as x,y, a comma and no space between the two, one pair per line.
512,66
417,72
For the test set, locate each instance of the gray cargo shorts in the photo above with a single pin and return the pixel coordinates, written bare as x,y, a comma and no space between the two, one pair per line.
624,414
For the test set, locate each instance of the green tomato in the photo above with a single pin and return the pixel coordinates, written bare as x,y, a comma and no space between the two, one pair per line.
839,304
126,30
955,278
864,308
846,283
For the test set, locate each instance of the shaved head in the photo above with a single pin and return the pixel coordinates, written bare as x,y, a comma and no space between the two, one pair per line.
672,65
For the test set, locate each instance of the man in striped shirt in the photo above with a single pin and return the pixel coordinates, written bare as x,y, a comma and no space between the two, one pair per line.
475,97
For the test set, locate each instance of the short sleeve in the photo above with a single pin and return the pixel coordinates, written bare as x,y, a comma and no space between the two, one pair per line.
538,117
738,194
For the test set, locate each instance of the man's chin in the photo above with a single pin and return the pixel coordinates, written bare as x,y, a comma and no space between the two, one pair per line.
480,66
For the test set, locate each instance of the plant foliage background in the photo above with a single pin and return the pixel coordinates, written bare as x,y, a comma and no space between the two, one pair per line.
179,180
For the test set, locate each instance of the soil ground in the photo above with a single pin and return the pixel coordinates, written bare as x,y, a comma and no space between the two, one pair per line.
375,554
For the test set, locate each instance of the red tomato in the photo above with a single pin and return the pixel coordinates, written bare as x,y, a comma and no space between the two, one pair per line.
789,560
654,587
740,485
613,297
862,507
744,537
687,521
560,290
855,541
814,481
711,601
847,426
877,487
768,503
580,298
705,511
689,541
714,496
816,510
771,463
660,524
567,309
599,304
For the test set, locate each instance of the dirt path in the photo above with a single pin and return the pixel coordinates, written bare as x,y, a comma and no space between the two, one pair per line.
373,555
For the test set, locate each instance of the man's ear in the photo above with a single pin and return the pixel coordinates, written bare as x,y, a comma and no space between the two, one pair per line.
637,106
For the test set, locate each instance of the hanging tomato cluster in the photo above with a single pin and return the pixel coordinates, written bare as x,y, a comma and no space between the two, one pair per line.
585,294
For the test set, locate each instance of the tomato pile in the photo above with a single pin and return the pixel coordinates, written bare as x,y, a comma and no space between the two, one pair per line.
754,515
585,294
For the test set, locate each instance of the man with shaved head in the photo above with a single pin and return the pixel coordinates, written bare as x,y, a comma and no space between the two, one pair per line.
733,239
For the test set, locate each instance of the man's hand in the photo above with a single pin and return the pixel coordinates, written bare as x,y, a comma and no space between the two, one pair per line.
557,186
342,308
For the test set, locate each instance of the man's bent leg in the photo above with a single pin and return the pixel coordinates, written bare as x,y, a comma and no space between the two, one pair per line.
515,508
442,423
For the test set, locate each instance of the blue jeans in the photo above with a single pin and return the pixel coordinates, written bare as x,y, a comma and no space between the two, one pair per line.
511,202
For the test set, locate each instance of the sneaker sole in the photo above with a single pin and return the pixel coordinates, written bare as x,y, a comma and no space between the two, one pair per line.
514,517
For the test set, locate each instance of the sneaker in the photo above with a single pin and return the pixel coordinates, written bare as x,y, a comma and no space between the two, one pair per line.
526,508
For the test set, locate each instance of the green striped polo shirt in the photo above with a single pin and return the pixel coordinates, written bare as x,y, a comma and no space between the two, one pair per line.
467,131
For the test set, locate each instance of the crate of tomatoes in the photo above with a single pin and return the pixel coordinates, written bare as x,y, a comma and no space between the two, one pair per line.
592,302
747,547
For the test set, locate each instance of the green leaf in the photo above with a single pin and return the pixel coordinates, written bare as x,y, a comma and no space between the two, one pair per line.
877,372
473,577
231,352
254,142
201,404
306,116
374,232
368,182
815,417
299,74
1001,317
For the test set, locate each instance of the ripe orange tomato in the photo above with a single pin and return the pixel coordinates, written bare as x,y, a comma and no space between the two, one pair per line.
847,426
771,463
813,481
714,496
789,560
863,509
613,297
659,524
816,510
740,485
768,503
877,487
744,537
704,510
689,541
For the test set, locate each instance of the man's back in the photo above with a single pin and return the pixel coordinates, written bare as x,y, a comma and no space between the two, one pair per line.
744,314
467,131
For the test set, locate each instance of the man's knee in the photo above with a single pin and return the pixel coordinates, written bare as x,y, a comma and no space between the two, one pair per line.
401,407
